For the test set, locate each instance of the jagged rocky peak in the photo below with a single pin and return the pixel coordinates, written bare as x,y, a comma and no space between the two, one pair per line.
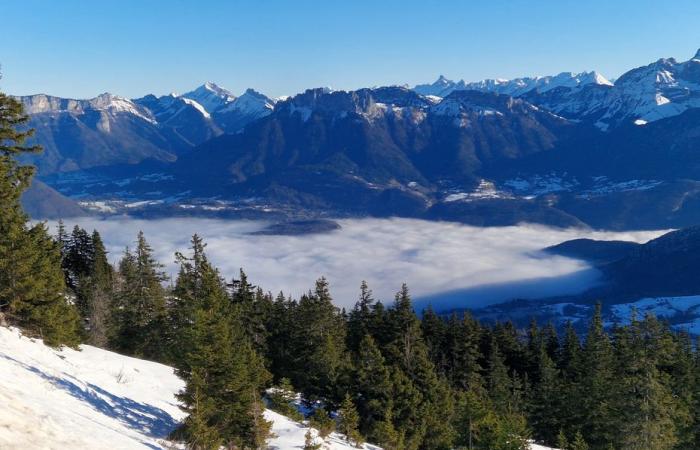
211,96
250,102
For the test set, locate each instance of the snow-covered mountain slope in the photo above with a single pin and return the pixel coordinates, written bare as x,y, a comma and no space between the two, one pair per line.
211,96
662,89
181,116
88,399
250,106
105,103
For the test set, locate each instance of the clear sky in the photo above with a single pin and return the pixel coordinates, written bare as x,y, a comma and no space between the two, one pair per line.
82,48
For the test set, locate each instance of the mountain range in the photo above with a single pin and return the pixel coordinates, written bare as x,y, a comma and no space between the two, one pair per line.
564,150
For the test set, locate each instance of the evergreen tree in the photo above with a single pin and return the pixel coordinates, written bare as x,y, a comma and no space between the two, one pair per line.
348,423
647,403
255,307
372,386
32,289
360,318
139,310
562,441
218,350
499,383
579,443
318,340
322,422
596,384
98,293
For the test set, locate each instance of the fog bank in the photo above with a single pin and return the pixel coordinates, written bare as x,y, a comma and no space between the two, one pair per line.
440,261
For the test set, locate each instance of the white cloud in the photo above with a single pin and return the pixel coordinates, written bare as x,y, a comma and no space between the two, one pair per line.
463,264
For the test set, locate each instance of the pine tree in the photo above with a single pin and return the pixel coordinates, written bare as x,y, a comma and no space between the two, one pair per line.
32,289
372,386
596,384
348,423
98,292
199,430
310,441
499,383
472,409
463,354
385,433
139,313
44,307
562,441
322,422
255,308
579,443
545,410
217,348
434,332
647,403
360,318
318,339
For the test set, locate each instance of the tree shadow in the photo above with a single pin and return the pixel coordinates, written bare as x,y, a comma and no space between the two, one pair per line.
147,419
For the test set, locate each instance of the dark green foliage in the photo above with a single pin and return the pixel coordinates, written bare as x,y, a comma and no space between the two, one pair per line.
372,385
597,378
219,363
348,421
316,345
139,316
32,289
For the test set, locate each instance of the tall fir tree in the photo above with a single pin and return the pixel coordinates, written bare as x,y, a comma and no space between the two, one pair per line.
139,313
32,288
218,352
597,381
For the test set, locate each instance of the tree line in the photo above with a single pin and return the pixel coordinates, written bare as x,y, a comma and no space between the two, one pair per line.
377,373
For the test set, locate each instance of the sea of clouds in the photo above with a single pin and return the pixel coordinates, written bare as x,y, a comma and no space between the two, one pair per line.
446,264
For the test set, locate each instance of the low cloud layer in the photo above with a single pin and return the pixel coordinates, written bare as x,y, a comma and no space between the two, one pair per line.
445,263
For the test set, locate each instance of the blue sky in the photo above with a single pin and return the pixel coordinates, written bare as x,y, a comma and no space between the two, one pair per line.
82,48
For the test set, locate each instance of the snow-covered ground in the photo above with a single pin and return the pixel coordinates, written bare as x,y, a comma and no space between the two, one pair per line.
682,313
88,399
94,399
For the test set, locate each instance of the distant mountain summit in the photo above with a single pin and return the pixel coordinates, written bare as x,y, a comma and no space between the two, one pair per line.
109,129
662,89
515,87
210,96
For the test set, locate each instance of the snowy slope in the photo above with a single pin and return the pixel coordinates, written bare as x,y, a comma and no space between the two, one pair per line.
94,399
89,399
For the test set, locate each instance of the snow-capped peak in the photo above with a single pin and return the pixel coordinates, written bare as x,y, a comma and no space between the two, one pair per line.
251,102
515,87
115,104
211,96
697,55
